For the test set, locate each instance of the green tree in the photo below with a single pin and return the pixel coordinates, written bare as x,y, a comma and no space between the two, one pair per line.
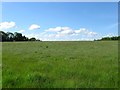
10,36
18,36
32,39
3,36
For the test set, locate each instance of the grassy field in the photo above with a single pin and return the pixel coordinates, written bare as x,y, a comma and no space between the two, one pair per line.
0,65
60,64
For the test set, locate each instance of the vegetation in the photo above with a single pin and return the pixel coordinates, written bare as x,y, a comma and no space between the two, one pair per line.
60,64
14,37
109,38
18,37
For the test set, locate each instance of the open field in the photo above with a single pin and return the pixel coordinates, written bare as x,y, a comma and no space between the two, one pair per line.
60,64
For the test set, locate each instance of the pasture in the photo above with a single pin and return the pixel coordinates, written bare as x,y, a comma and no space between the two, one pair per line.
64,64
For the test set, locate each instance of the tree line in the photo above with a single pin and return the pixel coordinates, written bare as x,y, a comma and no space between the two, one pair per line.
15,37
19,37
109,38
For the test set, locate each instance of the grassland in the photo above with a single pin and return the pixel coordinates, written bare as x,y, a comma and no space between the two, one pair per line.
0,65
60,64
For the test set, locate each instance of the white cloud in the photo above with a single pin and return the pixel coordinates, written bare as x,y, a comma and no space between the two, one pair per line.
21,31
67,32
91,33
34,27
64,34
109,35
7,25
64,31
81,30
57,29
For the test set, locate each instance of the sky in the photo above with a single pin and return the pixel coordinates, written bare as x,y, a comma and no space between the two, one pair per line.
59,21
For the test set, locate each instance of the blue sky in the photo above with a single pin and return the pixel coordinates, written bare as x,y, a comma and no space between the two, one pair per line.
61,21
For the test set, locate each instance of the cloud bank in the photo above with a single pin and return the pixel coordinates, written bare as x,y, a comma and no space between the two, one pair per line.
64,31
65,34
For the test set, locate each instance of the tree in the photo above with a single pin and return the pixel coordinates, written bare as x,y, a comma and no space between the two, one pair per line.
15,37
3,36
10,36
18,36
32,39
25,38
110,38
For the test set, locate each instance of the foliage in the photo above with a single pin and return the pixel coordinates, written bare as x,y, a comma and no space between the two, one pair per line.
32,39
109,38
14,37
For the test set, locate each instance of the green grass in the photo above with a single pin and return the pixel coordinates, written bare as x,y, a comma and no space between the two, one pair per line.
60,64
0,65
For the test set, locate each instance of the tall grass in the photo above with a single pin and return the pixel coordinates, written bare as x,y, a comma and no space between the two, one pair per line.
60,64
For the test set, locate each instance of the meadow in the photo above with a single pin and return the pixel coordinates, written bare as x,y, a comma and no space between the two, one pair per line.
64,64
